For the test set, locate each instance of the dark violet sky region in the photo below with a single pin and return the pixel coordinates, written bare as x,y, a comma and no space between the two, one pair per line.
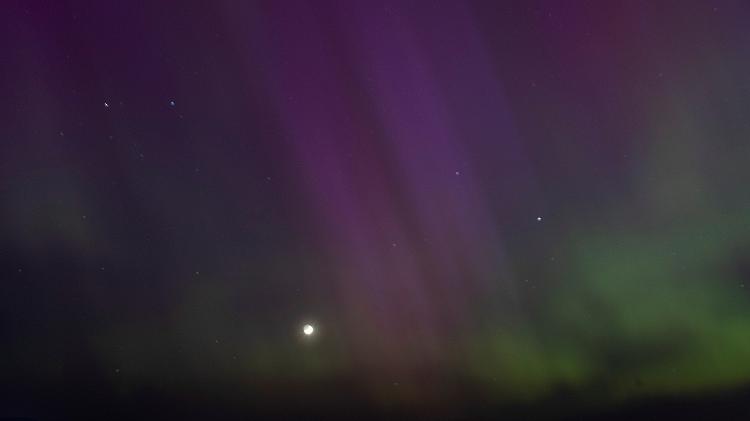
444,208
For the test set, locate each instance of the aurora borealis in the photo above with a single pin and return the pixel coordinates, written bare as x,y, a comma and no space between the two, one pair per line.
497,208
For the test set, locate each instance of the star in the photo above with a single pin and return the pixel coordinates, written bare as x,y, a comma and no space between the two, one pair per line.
539,218
308,330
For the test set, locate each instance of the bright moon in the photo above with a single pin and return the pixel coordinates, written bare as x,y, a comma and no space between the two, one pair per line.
308,330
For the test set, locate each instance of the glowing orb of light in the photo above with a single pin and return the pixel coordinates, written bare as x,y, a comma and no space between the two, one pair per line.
308,330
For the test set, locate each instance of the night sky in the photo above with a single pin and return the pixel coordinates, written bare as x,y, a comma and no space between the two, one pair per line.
490,207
